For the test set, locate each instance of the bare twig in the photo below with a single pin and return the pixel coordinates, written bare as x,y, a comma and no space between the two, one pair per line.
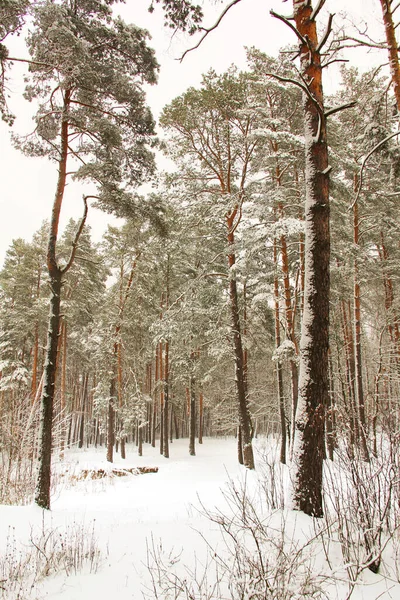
364,162
289,24
209,29
326,34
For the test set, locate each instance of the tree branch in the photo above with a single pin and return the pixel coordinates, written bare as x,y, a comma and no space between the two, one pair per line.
364,162
326,34
77,236
330,62
209,29
302,86
332,111
316,10
30,62
289,24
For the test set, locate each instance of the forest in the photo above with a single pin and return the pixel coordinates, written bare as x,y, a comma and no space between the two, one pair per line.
248,297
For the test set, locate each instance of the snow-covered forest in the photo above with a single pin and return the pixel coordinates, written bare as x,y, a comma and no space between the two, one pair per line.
205,403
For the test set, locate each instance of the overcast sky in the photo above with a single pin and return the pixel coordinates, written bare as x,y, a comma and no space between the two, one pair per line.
27,184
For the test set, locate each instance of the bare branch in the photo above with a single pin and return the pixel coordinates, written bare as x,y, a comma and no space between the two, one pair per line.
316,10
332,111
77,236
330,62
359,42
364,162
209,29
30,62
326,34
302,86
289,24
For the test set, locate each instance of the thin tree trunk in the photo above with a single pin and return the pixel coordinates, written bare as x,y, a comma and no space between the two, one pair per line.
359,387
166,401
240,446
279,376
201,418
111,420
289,313
378,377
63,389
243,407
330,414
35,359
161,367
192,417
83,410
350,373
140,440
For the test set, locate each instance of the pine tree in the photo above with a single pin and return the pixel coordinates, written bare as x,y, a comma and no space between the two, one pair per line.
86,64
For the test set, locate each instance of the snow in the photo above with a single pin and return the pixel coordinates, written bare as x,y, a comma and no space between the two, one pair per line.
130,518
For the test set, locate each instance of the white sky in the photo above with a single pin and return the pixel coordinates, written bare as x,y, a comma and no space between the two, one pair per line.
27,184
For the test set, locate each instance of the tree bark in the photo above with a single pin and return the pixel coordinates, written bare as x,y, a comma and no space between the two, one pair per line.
42,494
63,388
166,402
390,31
192,417
279,376
111,419
201,418
83,410
241,389
313,389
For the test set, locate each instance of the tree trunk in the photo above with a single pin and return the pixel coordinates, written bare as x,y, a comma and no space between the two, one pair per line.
359,388
192,417
140,440
330,414
42,494
390,31
241,389
166,402
201,418
279,377
154,418
83,410
350,373
313,389
289,313
63,389
111,420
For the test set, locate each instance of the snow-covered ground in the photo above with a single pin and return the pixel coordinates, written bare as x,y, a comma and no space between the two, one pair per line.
130,519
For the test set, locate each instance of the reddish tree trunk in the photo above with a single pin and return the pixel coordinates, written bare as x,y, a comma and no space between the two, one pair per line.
42,494
314,369
390,31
